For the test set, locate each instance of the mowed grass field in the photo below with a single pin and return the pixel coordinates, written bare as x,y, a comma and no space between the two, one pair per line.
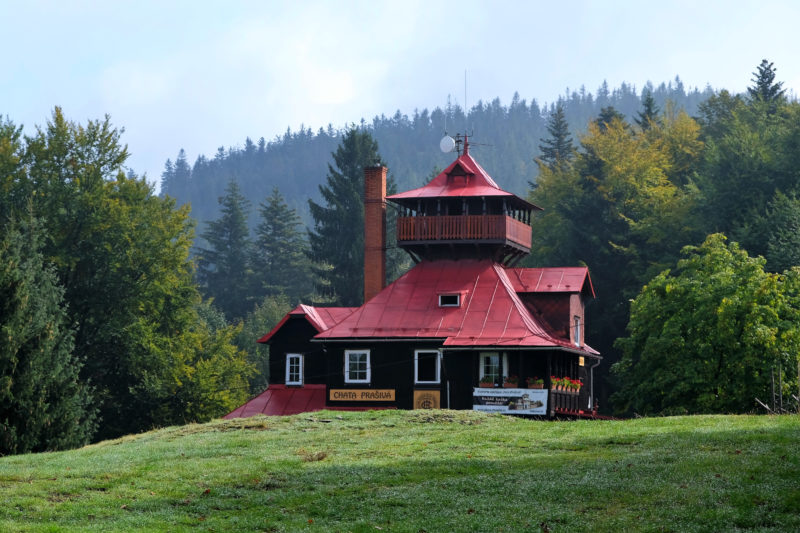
418,471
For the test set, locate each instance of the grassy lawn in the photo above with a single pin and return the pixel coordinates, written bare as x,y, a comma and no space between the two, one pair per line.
418,471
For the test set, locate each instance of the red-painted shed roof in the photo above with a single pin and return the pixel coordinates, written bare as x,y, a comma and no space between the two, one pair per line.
491,313
321,318
463,178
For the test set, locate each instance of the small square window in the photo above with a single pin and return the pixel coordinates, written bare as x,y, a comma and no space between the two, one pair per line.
427,366
449,300
356,366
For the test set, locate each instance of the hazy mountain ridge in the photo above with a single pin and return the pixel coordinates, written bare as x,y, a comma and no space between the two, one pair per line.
506,140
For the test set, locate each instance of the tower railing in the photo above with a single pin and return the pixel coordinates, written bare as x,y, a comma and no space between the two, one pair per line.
463,228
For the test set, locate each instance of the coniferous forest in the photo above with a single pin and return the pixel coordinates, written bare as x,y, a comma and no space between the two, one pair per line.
506,141
122,310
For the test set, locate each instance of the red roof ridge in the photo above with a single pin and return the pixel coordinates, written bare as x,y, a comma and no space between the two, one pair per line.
485,174
530,322
466,309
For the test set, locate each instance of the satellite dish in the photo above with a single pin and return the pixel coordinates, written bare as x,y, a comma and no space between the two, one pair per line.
447,144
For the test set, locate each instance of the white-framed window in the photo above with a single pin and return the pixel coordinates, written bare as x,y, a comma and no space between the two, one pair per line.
450,300
577,327
427,366
357,368
493,366
294,369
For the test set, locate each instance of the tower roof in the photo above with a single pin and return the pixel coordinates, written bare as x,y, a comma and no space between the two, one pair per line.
463,178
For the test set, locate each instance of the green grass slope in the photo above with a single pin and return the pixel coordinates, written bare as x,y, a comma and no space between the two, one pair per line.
418,471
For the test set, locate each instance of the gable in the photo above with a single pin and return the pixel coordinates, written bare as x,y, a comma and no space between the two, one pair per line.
320,318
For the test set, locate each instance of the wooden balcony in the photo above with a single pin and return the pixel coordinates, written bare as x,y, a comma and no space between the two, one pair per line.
464,228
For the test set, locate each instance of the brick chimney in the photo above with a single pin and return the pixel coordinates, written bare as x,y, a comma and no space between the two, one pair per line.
374,230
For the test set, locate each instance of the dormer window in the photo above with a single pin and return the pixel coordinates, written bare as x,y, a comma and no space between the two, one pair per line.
450,300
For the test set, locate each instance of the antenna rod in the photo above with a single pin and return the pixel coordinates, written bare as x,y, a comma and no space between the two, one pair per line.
465,100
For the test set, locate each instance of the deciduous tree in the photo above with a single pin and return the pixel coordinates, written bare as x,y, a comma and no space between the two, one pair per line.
122,256
258,322
622,209
705,336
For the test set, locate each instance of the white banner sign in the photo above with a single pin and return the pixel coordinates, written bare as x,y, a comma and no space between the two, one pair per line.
512,401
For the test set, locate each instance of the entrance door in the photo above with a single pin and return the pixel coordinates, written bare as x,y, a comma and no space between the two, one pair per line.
427,379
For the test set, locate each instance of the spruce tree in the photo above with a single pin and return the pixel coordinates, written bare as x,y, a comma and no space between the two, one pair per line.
43,405
765,88
649,113
557,149
224,267
280,255
337,238
607,116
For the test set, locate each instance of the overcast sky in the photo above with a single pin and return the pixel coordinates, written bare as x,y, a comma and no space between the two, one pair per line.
199,75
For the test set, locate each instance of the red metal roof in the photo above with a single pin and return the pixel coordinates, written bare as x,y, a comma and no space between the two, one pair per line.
491,313
321,318
463,178
279,400
559,279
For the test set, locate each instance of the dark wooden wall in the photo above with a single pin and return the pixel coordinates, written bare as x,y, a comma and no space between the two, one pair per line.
295,337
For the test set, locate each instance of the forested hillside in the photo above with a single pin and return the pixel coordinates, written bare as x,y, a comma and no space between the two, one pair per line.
506,141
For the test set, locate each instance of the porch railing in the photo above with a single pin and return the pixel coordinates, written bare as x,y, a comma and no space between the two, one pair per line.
568,402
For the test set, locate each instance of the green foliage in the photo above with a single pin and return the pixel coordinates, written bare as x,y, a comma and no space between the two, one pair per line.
280,255
338,234
11,169
257,323
224,267
782,228
621,208
750,155
121,255
43,405
704,337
